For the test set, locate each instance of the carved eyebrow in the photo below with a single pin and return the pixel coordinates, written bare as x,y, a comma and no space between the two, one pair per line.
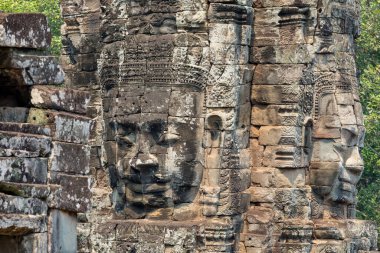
157,123
127,125
352,132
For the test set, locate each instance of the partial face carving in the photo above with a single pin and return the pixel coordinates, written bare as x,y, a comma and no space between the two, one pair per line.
159,148
336,164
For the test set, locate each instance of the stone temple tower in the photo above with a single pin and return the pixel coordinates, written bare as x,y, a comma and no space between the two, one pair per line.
175,126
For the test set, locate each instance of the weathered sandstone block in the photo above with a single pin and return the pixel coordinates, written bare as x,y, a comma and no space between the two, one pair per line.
24,145
14,114
70,158
18,224
24,170
18,205
60,99
69,193
22,68
24,30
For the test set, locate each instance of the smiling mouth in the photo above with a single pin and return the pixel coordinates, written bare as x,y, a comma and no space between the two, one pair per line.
148,183
148,188
148,194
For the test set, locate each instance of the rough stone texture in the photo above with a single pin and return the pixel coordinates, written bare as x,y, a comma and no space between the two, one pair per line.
212,126
68,100
24,170
44,131
19,67
24,145
15,33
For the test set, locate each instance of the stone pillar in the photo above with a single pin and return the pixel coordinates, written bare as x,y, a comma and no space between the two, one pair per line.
306,162
280,127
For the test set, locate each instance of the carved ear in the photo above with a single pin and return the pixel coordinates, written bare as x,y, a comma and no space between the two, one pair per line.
214,122
307,138
307,132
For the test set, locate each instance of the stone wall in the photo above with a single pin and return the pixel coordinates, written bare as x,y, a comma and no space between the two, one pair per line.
212,126
44,135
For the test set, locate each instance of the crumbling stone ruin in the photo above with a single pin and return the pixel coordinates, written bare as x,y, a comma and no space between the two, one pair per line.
44,143
183,126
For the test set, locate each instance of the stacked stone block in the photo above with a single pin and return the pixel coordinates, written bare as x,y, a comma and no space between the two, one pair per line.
228,110
338,130
257,71
279,193
126,25
80,39
296,44
43,142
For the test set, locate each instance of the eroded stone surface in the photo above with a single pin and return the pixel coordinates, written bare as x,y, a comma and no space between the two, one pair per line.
19,67
60,99
212,126
14,32
44,162
24,170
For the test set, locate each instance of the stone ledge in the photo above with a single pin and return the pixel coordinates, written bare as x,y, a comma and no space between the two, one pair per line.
19,205
22,68
25,190
24,30
68,100
24,145
24,170
16,224
25,128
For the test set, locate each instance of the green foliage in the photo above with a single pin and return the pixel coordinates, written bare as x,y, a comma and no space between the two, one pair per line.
368,59
48,7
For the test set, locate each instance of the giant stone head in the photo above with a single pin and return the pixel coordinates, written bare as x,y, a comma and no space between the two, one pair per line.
336,164
154,126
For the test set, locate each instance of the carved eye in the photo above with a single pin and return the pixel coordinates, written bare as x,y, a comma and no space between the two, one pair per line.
168,139
355,169
155,128
124,140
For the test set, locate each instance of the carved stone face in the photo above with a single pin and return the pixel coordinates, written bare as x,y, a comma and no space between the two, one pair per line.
349,172
336,164
159,149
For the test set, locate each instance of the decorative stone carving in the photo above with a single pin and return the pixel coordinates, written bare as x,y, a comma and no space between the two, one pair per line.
212,126
175,102
336,165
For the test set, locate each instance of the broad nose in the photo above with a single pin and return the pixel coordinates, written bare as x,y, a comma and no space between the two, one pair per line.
141,157
344,176
149,170
145,166
354,159
146,161
355,165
